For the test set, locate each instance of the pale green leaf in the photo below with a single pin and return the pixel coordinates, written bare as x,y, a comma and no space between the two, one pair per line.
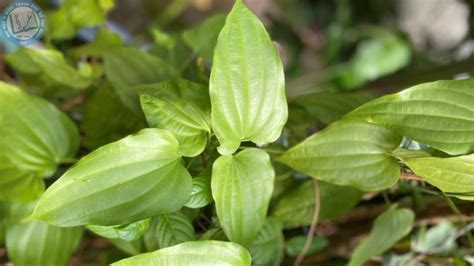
37,243
201,193
36,136
183,108
295,245
126,68
194,253
50,63
126,232
173,229
17,184
348,153
242,186
451,175
439,114
268,247
439,239
202,38
247,85
388,229
296,206
144,169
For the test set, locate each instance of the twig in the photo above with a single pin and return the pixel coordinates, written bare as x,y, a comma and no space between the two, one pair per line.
314,222
408,176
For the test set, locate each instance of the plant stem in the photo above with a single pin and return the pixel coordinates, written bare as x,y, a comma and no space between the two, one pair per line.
314,222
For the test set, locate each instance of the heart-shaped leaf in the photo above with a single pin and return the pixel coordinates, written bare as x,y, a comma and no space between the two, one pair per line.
247,85
144,169
242,186
348,153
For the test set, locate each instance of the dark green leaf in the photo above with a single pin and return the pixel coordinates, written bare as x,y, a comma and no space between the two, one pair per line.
267,249
127,232
201,193
295,244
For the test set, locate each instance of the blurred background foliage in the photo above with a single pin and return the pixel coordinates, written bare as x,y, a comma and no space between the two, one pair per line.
338,54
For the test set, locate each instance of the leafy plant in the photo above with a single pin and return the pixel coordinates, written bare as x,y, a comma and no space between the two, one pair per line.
221,171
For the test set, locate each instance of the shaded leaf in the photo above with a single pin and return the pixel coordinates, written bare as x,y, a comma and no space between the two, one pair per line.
295,244
144,169
296,206
37,243
202,38
182,107
439,239
388,229
36,136
172,229
193,253
201,192
439,114
349,153
242,186
126,68
247,86
267,249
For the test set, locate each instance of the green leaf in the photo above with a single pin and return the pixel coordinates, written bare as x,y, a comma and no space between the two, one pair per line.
114,122
18,185
173,229
439,239
202,38
214,234
36,136
183,108
126,68
348,153
103,42
193,253
51,64
295,207
452,175
439,114
133,247
247,85
268,247
201,192
74,15
388,229
242,186
126,232
36,243
144,169
328,107
295,245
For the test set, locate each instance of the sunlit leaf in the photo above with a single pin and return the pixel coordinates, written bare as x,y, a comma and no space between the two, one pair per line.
183,108
439,114
126,181
247,86
126,232
201,192
242,186
349,153
193,253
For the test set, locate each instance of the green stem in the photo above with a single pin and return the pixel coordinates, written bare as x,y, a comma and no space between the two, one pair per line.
455,209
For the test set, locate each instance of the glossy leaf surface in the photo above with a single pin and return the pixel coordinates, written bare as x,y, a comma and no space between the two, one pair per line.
144,169
247,85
